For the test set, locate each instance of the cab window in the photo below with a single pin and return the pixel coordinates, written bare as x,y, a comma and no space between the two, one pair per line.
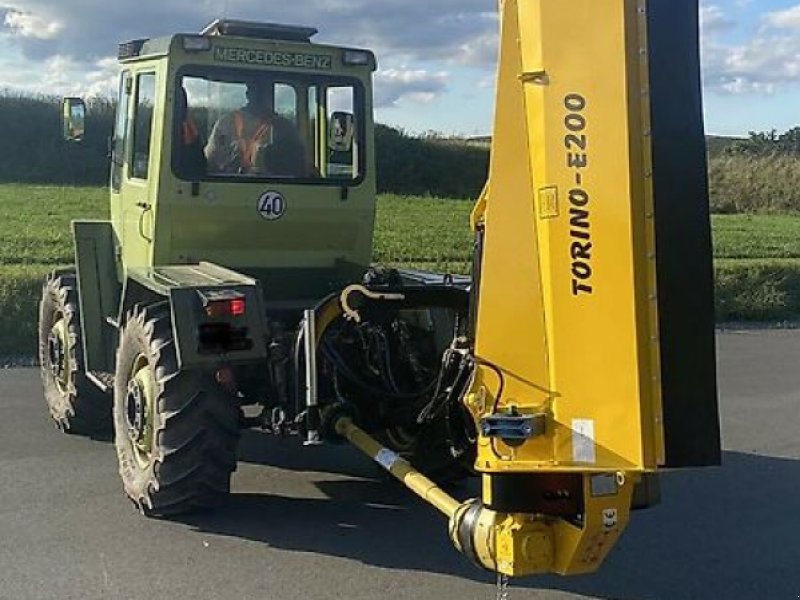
342,144
286,102
246,125
120,131
143,124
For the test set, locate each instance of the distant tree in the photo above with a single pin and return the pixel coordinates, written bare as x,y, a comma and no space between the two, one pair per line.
429,165
768,143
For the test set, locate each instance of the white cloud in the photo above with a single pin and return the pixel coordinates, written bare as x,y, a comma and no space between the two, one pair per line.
784,19
713,19
408,27
59,75
32,26
103,79
480,50
416,85
85,33
766,63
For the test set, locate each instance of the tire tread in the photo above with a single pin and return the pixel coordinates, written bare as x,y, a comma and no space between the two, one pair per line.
195,452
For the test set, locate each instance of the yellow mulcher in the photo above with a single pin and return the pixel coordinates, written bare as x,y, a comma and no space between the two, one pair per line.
568,392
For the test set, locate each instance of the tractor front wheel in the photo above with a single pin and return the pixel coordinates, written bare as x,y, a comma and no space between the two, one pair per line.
176,431
75,403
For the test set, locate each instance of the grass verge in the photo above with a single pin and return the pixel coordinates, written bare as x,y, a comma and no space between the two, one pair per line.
757,290
757,266
20,289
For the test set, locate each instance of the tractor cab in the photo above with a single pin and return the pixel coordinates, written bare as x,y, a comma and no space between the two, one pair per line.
248,146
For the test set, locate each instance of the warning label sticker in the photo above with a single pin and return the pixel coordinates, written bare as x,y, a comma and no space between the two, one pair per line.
583,446
610,518
387,459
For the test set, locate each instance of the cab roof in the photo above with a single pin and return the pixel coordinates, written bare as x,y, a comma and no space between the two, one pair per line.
222,28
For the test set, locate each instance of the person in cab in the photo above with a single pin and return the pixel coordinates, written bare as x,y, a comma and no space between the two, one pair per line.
255,140
191,158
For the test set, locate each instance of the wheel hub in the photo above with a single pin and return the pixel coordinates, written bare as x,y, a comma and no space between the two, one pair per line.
139,411
135,410
57,354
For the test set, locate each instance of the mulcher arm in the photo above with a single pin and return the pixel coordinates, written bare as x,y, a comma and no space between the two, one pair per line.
567,324
568,392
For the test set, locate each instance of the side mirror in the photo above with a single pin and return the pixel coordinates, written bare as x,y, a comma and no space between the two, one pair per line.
341,130
73,119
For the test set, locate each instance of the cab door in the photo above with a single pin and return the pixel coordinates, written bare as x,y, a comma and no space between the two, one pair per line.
137,189
119,153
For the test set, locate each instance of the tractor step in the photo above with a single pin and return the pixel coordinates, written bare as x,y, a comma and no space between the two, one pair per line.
102,379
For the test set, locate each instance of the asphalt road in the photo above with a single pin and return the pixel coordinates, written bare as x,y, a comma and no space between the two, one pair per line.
316,524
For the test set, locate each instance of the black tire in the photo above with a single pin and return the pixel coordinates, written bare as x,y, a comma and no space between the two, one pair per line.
76,404
192,423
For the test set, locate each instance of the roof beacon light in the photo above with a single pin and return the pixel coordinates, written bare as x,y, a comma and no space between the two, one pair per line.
130,49
264,31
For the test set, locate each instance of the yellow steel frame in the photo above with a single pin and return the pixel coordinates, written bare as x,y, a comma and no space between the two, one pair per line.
568,310
567,323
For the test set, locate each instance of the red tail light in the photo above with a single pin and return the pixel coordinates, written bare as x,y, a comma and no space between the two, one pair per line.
235,307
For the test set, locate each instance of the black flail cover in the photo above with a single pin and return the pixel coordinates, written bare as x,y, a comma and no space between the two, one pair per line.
683,234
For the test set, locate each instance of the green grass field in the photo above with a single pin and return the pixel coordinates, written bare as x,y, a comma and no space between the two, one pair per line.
738,237
758,257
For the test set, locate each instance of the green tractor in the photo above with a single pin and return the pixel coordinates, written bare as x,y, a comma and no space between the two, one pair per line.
232,286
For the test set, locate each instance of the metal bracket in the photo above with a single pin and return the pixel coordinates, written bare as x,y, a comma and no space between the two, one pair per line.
312,405
536,77
514,429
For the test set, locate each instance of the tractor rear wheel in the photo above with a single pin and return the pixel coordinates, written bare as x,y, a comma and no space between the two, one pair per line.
176,431
75,403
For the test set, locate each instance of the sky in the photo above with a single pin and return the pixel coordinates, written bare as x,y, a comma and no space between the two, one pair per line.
436,57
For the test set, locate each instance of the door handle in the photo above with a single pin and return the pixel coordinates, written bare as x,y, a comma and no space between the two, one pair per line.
145,209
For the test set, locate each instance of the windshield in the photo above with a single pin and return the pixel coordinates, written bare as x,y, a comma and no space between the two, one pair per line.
248,125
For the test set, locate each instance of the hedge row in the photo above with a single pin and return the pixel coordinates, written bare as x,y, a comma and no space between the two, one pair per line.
746,291
405,164
755,175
